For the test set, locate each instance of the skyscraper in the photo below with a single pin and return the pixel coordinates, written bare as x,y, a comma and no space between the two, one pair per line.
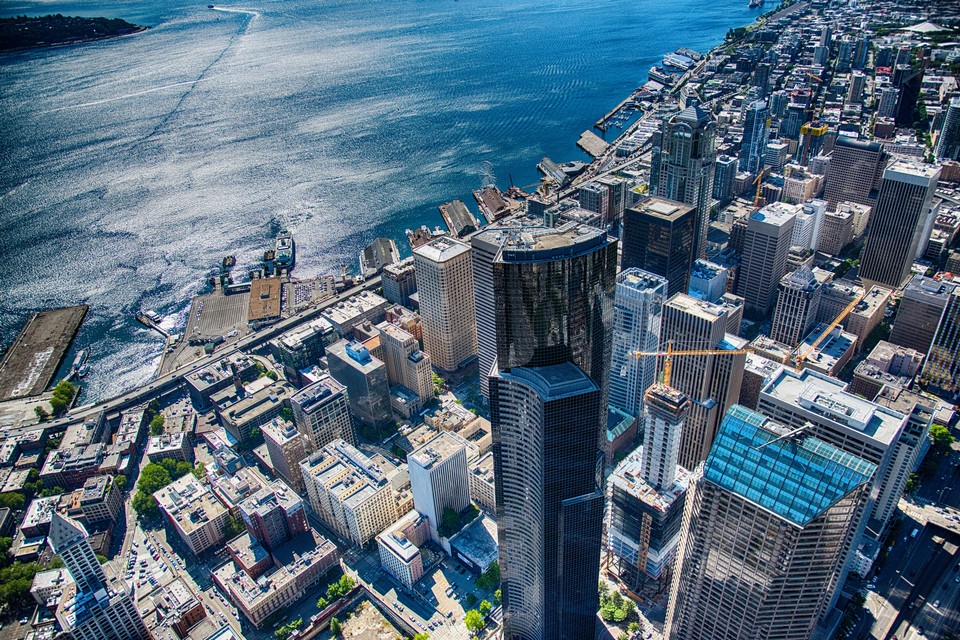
942,369
321,412
798,299
684,162
553,294
92,608
445,289
712,382
755,129
918,315
725,174
856,167
761,550
440,478
948,142
765,247
365,378
638,306
897,222
659,236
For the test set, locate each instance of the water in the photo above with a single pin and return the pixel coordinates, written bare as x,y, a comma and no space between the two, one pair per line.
131,166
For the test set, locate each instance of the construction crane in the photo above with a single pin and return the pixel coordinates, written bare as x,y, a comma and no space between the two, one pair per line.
802,357
759,183
817,78
670,354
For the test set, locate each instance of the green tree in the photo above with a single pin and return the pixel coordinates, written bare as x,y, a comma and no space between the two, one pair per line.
497,596
270,373
491,577
286,414
200,471
233,527
423,635
941,438
12,501
322,603
633,627
156,425
154,407
473,620
52,491
286,630
471,599
62,395
120,482
42,414
485,607
335,626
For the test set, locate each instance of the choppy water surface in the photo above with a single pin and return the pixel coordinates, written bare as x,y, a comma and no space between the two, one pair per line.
131,166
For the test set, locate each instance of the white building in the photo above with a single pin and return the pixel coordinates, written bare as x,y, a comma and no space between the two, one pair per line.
439,478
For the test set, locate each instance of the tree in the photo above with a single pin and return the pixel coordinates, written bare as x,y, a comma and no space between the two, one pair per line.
471,599
473,620
156,425
42,414
154,407
941,438
286,414
270,373
62,396
423,635
284,632
633,627
322,603
491,577
449,520
485,607
52,491
335,626
12,501
121,482
200,471
497,595
233,527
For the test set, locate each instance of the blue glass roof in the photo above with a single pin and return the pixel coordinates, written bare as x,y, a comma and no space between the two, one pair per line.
795,478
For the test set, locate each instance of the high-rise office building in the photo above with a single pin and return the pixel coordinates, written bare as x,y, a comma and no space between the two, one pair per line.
666,410
793,119
775,155
761,550
553,294
445,290
942,368
897,222
812,137
287,446
407,365
685,166
484,248
798,299
755,129
365,378
638,305
274,515
918,315
712,382
321,412
440,478
725,173
765,247
399,281
93,607
948,142
856,167
858,82
659,236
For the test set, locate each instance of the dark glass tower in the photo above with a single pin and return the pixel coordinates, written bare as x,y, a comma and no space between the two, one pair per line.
659,236
553,295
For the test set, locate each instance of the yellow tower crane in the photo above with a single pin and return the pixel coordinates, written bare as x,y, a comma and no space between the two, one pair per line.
671,353
759,183
802,357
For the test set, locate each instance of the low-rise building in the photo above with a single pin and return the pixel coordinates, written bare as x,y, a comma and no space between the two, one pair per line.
194,512
887,365
831,354
482,486
175,446
399,548
303,346
246,408
100,501
69,467
205,381
365,306
48,586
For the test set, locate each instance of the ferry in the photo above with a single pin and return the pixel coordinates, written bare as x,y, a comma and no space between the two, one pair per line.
152,315
285,249
80,366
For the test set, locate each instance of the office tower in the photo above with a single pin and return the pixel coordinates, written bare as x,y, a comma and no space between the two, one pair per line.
755,125
712,382
484,249
688,150
92,608
637,307
399,280
942,369
274,515
761,78
725,173
765,246
910,82
837,232
812,137
798,297
778,103
793,119
860,51
445,289
858,82
820,55
349,491
762,546
948,142
921,308
775,156
407,365
888,102
287,447
896,224
553,292
708,281
659,236
321,412
365,378
845,54
645,504
440,479
593,197
302,347
856,167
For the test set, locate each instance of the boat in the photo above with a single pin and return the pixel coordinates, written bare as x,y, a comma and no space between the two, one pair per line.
285,249
756,3
80,367
152,315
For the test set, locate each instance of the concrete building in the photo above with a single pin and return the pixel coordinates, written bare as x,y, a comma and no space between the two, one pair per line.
246,408
350,492
795,313
287,446
482,486
837,232
766,244
175,446
942,369
830,354
204,382
274,515
897,223
758,370
445,292
775,156
407,365
346,315
856,167
637,309
399,280
708,281
796,500
321,412
683,169
659,237
193,512
724,176
100,501
712,382
921,309
303,346
399,548
887,365
439,478
365,379
91,607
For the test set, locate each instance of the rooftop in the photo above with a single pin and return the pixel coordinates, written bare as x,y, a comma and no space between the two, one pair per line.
191,504
911,172
531,244
797,478
553,382
442,249
264,299
628,477
439,448
314,396
396,541
777,213
693,306
478,541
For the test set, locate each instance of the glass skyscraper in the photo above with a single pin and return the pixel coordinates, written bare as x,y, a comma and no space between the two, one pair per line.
553,293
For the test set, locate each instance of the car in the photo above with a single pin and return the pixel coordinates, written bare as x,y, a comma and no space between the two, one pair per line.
936,604
24,620
872,587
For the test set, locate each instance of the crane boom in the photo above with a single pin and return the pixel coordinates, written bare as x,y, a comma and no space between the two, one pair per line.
802,357
670,353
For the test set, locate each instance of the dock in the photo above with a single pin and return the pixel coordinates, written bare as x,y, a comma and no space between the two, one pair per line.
602,122
592,144
32,360
458,218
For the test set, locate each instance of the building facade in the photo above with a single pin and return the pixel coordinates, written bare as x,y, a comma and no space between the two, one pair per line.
659,236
